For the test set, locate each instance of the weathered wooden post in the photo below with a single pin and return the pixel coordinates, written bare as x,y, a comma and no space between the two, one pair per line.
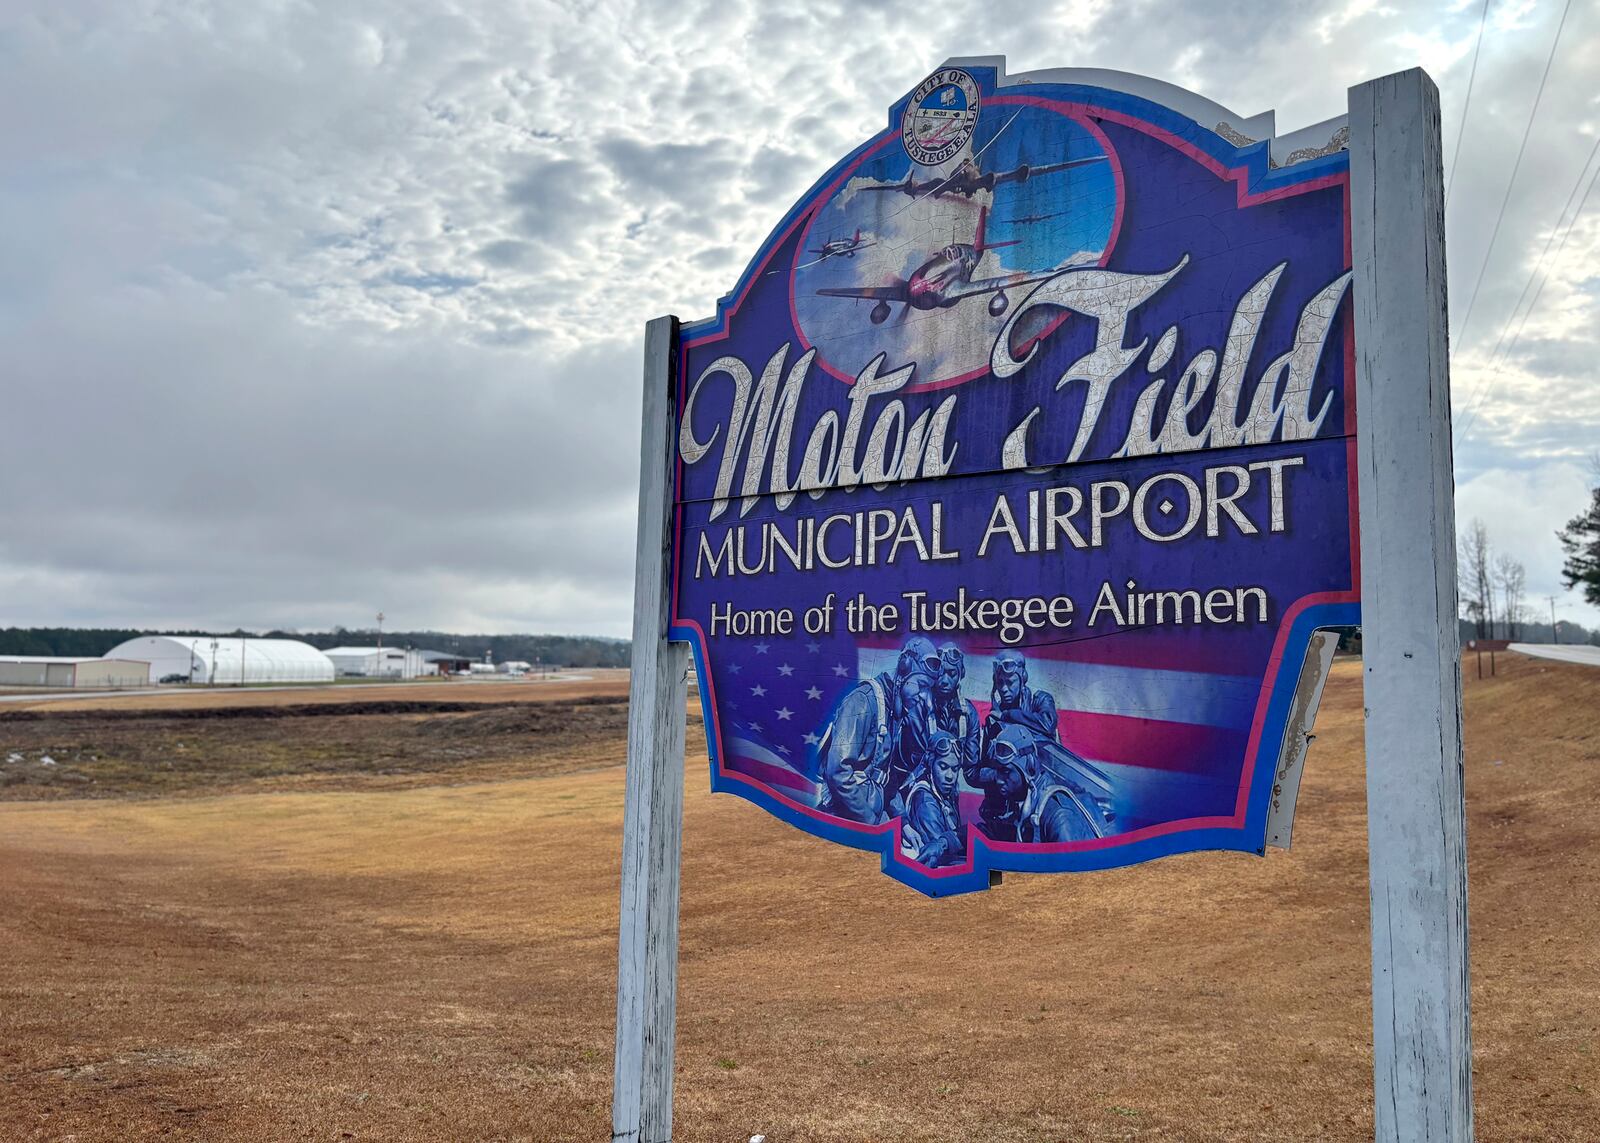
1412,655
647,953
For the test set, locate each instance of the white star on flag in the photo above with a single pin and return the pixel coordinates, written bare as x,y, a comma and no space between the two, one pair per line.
761,648
813,647
811,740
840,671
758,690
755,726
785,669
785,714
734,668
813,693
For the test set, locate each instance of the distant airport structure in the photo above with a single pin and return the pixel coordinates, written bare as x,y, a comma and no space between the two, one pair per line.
216,660
445,663
379,662
58,671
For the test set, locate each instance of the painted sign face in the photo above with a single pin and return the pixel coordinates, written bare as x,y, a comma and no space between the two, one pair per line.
1013,478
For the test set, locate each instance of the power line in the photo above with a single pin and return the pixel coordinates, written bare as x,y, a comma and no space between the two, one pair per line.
1475,403
1562,245
1537,266
1461,132
1516,168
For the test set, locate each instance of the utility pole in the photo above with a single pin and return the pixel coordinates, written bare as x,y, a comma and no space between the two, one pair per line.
380,631
1555,629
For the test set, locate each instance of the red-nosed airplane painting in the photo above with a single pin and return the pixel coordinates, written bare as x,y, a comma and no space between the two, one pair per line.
945,279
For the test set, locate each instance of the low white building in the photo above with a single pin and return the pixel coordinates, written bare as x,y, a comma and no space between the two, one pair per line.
218,661
376,662
444,663
61,671
514,667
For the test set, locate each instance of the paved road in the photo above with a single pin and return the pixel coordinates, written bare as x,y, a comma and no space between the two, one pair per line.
1589,656
57,696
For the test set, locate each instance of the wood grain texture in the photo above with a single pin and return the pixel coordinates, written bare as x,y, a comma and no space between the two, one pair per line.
652,832
1412,675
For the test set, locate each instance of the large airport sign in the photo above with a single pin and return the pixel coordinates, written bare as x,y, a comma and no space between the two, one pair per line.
1007,500
1015,475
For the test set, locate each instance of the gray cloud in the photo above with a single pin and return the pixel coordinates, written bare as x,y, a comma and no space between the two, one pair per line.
248,461
506,253
677,170
557,196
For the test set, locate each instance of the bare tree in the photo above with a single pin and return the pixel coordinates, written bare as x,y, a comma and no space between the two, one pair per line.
1511,578
1474,577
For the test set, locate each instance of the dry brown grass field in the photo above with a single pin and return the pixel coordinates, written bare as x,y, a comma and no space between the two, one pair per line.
399,924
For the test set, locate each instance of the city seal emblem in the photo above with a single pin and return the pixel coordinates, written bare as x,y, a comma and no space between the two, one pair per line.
940,116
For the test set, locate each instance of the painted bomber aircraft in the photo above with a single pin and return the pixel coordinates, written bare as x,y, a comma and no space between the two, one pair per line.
945,279
968,180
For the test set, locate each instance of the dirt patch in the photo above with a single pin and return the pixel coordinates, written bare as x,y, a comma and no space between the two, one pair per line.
439,963
206,750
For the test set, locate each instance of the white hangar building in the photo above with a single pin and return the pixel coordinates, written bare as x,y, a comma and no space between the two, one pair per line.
378,662
211,659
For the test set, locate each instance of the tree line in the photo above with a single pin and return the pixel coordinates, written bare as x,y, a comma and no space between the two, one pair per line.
1493,584
550,650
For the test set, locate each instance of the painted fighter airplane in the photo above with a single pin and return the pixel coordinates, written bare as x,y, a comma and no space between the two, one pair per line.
945,279
968,180
841,247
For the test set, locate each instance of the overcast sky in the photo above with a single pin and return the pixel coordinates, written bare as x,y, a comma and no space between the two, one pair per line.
308,310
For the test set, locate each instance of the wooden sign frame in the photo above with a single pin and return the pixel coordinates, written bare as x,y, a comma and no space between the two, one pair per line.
1412,673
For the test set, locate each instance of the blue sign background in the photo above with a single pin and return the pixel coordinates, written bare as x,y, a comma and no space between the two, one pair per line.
1143,728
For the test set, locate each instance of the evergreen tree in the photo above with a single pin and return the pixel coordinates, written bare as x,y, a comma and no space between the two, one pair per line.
1580,539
